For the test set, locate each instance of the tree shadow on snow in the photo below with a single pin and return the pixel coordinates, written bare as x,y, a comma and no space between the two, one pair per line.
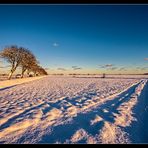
7,87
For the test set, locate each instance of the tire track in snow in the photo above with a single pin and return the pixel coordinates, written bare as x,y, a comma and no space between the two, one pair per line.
117,133
58,100
62,133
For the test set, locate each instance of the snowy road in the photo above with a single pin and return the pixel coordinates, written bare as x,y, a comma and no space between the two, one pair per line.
70,110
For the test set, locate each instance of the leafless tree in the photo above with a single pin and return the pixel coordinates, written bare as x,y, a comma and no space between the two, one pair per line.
13,55
38,70
41,71
27,61
24,58
33,68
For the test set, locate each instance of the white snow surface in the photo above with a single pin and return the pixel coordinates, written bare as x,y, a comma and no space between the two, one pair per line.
69,110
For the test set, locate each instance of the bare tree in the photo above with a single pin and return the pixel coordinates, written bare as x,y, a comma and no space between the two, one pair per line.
24,58
33,68
37,70
27,61
13,55
41,71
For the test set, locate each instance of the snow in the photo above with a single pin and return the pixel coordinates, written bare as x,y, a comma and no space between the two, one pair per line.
125,117
13,82
112,134
79,135
96,120
68,110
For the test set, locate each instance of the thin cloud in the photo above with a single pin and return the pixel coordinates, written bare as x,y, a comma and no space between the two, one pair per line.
146,59
122,68
109,65
55,44
113,68
143,68
101,66
106,66
62,69
76,68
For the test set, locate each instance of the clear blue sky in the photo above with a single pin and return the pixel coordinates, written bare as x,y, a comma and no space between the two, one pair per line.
86,36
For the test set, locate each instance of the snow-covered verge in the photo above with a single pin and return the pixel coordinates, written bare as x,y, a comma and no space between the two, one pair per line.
68,110
13,82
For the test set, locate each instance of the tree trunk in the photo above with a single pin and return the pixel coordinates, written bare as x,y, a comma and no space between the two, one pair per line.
22,75
10,75
23,71
13,68
11,72
35,73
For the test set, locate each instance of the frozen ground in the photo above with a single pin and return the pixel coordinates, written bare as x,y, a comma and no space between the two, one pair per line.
72,110
13,82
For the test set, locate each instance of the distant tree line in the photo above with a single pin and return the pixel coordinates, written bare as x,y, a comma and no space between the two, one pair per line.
23,58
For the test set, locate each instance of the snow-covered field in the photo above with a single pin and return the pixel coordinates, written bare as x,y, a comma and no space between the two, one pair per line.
69,110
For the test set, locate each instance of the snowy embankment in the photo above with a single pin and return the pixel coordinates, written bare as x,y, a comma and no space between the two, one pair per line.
68,110
13,82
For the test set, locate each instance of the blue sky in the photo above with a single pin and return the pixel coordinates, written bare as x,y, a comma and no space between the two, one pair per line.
87,36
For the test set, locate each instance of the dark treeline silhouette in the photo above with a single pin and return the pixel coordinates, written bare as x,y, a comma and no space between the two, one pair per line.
21,57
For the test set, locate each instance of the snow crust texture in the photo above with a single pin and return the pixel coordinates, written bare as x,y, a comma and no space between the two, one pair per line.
69,110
